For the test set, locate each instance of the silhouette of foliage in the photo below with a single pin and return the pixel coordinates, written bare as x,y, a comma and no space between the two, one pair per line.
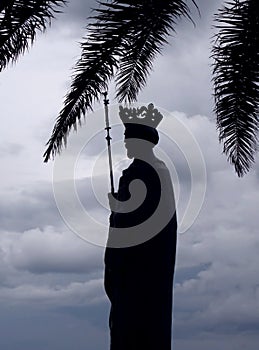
123,40
236,78
19,21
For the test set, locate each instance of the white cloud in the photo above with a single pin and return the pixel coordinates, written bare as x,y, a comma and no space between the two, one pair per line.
48,251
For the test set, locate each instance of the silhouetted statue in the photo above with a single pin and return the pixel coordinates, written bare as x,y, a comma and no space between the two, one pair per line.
140,254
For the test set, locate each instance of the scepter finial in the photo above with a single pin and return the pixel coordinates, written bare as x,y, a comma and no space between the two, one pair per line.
106,100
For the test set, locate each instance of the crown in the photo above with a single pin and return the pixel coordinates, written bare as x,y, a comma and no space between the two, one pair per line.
149,115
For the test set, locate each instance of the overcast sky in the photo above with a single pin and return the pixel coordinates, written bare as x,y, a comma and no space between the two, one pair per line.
51,280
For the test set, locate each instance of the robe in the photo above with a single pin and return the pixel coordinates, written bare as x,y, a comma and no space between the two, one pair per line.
139,278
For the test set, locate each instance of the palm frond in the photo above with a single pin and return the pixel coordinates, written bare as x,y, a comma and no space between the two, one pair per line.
110,38
236,81
99,59
19,22
154,21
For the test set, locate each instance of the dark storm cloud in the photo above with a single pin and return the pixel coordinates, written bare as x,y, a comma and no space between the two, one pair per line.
40,328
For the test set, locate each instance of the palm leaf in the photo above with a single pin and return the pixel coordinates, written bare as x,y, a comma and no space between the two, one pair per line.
112,46
236,78
19,21
155,21
99,59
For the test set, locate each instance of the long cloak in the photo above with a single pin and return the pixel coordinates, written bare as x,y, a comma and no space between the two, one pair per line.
139,279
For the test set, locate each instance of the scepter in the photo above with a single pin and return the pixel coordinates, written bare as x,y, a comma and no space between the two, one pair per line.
108,138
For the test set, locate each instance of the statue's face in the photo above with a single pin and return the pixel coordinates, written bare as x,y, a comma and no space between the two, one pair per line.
137,148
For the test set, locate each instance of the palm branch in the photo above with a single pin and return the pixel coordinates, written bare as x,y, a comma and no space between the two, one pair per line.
19,21
236,79
123,40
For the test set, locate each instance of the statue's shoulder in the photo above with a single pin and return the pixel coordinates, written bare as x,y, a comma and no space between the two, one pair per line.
129,169
160,164
135,164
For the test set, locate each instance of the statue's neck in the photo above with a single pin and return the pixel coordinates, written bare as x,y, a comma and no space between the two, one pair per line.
147,156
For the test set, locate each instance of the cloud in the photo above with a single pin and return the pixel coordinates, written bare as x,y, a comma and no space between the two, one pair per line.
76,12
34,206
28,208
48,251
209,340
223,297
88,293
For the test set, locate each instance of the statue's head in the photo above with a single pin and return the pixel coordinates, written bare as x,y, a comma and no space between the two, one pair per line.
140,128
139,139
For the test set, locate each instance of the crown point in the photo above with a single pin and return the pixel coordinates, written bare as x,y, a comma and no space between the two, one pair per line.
149,115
